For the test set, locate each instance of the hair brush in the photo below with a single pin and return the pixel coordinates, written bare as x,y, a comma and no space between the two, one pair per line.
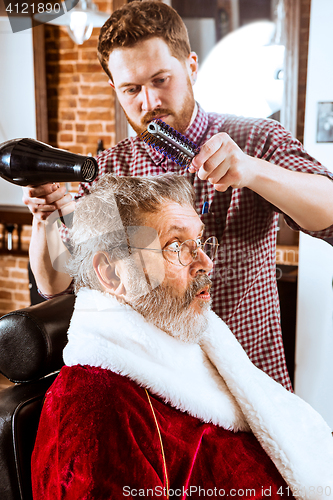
170,142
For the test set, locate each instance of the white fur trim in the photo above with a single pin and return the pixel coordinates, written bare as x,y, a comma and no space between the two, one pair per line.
215,382
292,433
111,335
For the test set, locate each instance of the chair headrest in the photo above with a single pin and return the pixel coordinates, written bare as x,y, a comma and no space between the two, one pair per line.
32,339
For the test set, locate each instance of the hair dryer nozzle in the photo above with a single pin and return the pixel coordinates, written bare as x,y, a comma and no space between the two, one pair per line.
29,162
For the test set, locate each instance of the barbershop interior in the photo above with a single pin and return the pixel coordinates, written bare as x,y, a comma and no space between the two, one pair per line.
257,58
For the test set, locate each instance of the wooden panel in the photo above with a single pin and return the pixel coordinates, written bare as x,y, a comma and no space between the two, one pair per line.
38,38
304,26
15,215
251,10
120,118
195,8
121,121
291,35
2,8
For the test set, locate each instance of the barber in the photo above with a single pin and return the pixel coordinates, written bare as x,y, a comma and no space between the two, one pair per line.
248,170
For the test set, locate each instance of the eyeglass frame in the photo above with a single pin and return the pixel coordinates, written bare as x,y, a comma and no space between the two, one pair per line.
201,245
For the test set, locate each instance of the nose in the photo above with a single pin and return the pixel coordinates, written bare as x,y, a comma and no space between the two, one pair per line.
202,263
150,99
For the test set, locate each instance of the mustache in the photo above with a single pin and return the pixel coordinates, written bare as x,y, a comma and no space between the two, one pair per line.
197,284
156,112
157,298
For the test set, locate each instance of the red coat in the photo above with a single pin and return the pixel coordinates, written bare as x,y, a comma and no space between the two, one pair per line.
97,439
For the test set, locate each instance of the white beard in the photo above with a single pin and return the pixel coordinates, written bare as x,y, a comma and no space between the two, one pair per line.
187,325
172,314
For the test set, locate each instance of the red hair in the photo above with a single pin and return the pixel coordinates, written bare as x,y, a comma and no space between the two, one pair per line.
141,20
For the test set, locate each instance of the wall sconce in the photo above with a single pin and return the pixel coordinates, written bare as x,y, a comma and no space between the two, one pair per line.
79,20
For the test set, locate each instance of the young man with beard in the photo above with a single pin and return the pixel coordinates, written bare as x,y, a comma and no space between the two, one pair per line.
248,170
157,398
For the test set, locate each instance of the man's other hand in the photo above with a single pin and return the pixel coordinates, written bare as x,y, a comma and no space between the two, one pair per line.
223,163
45,199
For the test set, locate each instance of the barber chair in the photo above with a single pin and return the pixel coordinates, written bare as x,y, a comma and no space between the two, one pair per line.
31,345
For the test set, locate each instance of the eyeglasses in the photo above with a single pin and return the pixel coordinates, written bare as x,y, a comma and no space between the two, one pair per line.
185,253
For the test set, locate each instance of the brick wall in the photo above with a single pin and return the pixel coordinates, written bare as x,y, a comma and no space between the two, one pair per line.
80,112
14,282
14,290
80,100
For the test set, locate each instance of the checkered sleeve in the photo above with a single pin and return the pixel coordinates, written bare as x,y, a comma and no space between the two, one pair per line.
292,155
270,141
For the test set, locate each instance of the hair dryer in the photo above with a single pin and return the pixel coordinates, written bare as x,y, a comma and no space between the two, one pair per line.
29,162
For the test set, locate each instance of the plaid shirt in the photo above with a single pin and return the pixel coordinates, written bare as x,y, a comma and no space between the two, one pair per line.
244,292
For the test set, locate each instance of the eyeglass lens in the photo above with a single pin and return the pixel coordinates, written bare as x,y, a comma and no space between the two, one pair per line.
188,250
210,247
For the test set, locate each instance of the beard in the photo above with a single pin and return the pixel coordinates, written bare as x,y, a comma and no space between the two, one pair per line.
173,314
178,120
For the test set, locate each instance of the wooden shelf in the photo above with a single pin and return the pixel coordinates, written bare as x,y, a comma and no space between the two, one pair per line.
287,255
15,214
17,217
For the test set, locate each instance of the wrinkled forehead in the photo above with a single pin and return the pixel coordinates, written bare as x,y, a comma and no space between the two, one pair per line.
175,219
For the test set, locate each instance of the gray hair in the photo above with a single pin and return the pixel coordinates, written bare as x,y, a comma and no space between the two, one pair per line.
114,204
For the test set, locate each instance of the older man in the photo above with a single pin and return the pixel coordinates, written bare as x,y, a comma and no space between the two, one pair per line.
158,398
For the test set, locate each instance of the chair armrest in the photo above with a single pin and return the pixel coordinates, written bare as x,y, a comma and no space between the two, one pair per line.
20,408
32,339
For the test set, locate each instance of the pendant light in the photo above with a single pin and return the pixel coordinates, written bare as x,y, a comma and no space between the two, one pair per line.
79,17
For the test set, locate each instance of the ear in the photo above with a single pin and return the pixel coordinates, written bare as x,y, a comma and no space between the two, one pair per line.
108,275
110,82
192,66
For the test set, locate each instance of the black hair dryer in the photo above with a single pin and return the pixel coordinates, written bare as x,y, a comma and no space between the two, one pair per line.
29,162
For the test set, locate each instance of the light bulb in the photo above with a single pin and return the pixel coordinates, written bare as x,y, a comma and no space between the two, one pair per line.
80,18
79,28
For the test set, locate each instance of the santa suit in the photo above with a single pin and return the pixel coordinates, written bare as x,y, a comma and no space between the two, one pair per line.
138,413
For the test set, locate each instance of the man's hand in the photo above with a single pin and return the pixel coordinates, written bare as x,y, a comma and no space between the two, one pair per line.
42,202
306,198
45,199
223,163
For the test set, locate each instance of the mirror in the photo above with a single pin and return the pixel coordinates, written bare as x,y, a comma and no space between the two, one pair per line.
241,54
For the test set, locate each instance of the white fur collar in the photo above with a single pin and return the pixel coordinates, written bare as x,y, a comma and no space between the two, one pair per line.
215,382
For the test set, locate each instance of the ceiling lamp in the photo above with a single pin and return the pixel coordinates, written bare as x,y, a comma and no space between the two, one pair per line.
79,19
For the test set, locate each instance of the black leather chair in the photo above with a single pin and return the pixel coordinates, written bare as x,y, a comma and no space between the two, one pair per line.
31,345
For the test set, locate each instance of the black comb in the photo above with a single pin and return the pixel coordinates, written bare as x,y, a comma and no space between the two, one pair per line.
170,142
